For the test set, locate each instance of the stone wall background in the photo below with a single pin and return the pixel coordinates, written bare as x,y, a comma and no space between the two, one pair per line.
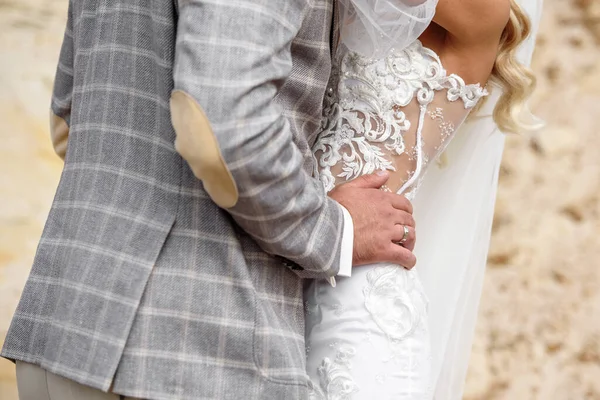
538,334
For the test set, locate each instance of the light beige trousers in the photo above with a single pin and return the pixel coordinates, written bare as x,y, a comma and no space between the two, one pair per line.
35,383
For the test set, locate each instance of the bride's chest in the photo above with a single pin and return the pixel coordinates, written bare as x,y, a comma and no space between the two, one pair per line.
380,84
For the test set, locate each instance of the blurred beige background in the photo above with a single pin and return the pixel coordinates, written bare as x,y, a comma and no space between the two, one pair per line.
538,335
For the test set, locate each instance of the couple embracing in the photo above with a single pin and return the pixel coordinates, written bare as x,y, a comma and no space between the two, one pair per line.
235,214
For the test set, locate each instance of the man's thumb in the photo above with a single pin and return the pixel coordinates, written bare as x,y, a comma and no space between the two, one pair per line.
371,181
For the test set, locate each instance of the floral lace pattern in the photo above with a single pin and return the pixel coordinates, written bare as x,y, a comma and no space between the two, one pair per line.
365,124
336,382
390,300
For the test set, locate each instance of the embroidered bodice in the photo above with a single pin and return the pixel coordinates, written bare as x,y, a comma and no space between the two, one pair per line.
395,113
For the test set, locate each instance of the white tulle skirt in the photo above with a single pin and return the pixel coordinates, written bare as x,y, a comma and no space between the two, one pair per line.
368,337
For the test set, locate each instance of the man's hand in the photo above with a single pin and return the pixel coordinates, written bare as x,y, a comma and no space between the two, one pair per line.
378,219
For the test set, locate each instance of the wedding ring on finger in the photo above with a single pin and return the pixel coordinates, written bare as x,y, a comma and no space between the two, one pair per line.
404,236
406,233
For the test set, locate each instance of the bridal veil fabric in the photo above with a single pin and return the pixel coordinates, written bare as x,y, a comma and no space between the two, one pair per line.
373,27
454,210
455,204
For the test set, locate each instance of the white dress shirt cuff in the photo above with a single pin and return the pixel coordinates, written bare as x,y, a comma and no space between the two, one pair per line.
347,248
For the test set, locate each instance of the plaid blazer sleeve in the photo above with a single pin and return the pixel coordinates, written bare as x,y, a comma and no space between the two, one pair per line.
231,58
60,108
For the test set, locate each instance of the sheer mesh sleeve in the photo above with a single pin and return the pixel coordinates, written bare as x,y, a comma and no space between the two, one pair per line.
396,113
435,126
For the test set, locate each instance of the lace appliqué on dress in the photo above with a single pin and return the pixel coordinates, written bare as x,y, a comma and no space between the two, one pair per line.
336,382
364,123
396,302
391,301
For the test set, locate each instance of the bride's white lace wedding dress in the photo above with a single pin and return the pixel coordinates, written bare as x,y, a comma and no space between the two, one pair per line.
368,337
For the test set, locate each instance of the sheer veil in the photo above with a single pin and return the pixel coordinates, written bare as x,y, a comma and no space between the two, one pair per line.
373,27
454,210
455,204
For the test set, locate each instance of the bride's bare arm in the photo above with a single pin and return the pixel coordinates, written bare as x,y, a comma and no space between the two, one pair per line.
473,20
466,35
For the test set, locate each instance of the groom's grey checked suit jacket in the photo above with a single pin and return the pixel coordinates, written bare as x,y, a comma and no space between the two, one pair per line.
141,283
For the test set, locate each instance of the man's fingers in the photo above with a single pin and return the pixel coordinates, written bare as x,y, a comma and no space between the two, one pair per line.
370,181
399,236
402,218
400,202
409,244
400,239
401,256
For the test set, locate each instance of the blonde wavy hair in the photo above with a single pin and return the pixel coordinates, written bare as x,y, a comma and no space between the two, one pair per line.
516,81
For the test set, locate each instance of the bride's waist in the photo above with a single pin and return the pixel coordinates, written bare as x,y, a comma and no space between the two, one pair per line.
372,273
338,174
373,281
